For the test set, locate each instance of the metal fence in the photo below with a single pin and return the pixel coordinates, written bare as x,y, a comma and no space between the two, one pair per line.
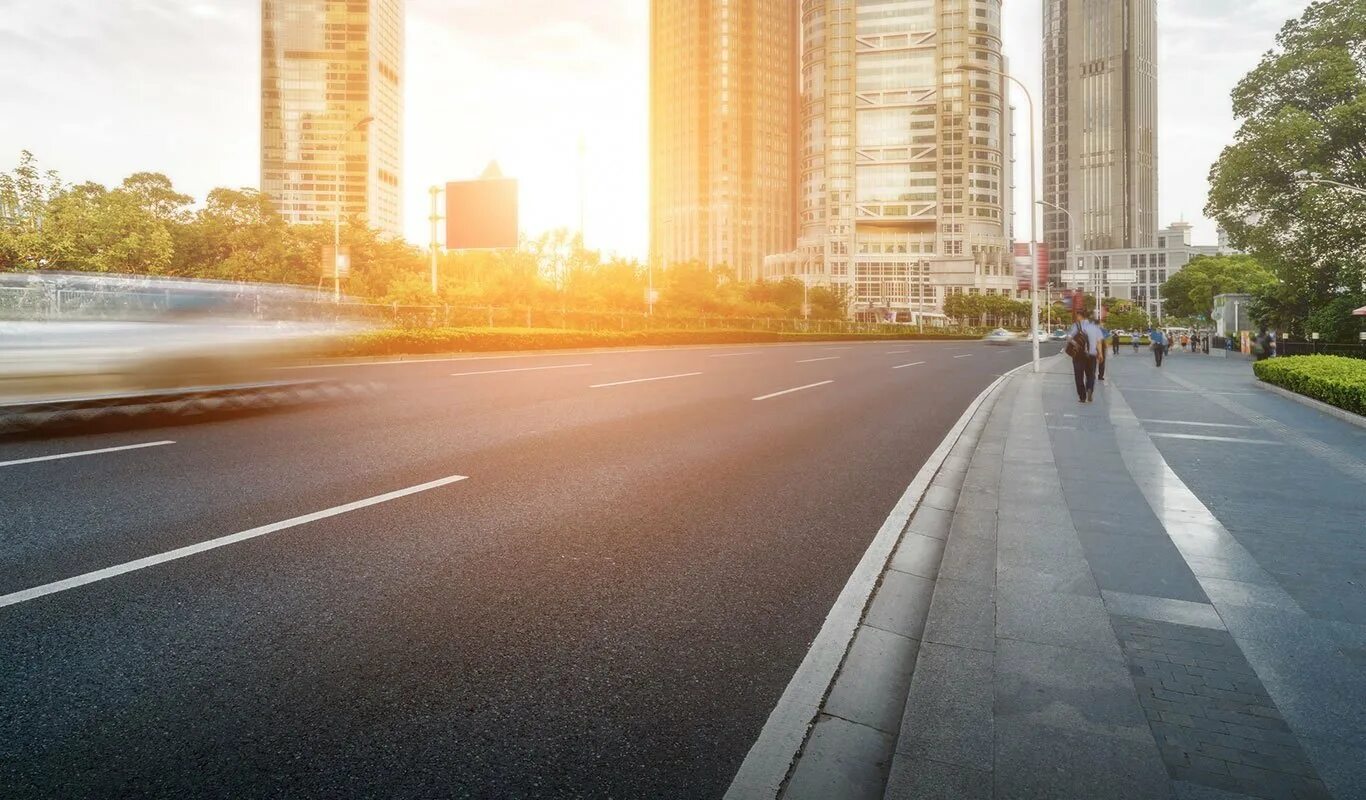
1286,348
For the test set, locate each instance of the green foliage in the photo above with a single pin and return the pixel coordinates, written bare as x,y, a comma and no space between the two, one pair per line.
1334,380
1190,292
1333,321
1302,110
432,341
988,309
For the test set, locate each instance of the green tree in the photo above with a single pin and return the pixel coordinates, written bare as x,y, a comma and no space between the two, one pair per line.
1302,112
1191,291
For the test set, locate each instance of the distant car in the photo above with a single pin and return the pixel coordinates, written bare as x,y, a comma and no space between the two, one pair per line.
1000,336
1041,336
1058,334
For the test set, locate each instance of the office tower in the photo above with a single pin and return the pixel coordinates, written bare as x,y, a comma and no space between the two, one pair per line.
723,104
904,154
327,66
1100,126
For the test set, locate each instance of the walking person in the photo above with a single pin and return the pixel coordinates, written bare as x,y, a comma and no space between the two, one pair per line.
1085,344
1133,340
1159,340
1114,343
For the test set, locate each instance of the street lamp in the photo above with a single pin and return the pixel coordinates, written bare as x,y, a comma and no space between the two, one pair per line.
336,220
1072,243
1305,178
1033,208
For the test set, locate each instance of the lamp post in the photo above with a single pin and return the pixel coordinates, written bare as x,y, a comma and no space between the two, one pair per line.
1033,209
336,220
1310,179
1072,240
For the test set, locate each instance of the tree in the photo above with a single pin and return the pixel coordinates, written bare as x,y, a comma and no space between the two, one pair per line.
1302,112
1191,291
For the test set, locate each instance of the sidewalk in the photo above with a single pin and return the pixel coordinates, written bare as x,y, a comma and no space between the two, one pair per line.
1161,594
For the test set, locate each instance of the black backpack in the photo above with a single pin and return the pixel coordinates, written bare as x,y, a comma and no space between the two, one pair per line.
1078,346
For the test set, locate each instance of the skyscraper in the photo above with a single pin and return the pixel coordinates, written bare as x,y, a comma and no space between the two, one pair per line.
1100,125
905,154
328,66
723,122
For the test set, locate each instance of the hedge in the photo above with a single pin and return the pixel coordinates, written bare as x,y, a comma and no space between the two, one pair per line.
433,341
1335,380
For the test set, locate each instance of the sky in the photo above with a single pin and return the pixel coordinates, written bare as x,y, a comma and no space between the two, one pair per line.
99,89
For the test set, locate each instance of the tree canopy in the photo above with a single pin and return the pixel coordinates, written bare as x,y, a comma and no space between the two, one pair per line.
1190,292
1303,115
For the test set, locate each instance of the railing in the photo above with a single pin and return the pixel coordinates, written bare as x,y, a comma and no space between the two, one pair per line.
1285,348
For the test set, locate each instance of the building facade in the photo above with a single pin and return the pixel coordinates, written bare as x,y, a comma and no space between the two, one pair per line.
723,117
1100,126
328,66
1138,273
904,154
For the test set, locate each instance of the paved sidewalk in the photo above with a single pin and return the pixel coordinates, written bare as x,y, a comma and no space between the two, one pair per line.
1158,595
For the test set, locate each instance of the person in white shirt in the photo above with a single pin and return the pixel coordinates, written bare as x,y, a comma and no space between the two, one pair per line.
1084,363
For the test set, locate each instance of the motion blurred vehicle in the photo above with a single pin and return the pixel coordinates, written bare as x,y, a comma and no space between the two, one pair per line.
1000,336
1058,335
73,337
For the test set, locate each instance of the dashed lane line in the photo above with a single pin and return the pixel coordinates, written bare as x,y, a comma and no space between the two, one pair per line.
814,360
643,380
519,369
791,391
904,366
59,456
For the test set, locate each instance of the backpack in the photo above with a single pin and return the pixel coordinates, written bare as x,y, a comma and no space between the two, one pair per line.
1078,346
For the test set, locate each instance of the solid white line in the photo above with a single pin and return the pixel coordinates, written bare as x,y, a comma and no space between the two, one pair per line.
1200,438
60,456
732,355
790,391
1198,424
213,544
897,352
814,360
519,369
643,380
837,348
903,366
969,355
766,765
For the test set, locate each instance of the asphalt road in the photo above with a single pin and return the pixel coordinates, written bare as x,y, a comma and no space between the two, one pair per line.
607,605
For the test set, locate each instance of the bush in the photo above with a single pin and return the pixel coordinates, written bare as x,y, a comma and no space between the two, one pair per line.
432,341
1335,380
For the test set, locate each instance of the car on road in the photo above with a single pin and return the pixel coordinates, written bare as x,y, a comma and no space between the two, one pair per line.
68,338
1000,336
1058,334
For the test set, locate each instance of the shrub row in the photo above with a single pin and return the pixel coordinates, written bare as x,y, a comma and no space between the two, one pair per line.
1335,380
432,341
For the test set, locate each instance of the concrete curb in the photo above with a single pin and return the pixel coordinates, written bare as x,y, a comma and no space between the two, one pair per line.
1317,405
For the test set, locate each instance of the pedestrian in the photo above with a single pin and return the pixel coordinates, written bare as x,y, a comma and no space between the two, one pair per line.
1133,340
1159,340
1261,346
1085,344
1114,342
1185,342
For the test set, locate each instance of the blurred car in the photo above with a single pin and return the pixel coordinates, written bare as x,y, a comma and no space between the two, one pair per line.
67,338
1000,336
1058,334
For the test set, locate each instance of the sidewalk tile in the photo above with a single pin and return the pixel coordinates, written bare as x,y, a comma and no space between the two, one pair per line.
1066,688
841,761
874,679
901,604
1140,565
971,559
918,555
962,614
931,522
1037,762
924,779
949,708
1026,572
1180,612
1067,620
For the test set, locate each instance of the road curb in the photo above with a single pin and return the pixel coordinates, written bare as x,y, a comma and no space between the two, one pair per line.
773,756
1317,405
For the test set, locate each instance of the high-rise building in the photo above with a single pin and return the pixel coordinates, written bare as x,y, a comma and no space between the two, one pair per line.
723,122
1100,126
328,66
905,154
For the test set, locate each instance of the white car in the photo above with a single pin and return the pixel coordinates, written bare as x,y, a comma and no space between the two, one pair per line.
1000,336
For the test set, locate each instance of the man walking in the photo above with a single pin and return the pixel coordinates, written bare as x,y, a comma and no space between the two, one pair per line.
1084,342
1114,343
1159,340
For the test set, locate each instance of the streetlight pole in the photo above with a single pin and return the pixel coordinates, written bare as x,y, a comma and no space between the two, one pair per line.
1033,209
1308,179
1072,242
336,220
435,219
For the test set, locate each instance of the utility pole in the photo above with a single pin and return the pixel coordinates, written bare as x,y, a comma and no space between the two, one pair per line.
435,219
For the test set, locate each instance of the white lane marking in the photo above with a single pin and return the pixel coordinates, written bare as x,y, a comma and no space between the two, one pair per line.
732,355
897,352
213,544
969,355
814,360
790,391
519,369
1198,424
644,380
766,765
1200,438
904,366
837,348
60,456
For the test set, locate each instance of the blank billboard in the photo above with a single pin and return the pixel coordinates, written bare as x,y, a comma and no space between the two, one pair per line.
482,214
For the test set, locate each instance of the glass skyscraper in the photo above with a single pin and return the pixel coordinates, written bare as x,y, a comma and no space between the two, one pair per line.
326,67
904,153
723,122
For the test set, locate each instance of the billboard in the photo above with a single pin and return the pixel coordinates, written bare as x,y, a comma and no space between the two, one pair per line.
482,214
1022,260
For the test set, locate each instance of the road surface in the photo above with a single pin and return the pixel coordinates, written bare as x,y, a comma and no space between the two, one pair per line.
582,574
